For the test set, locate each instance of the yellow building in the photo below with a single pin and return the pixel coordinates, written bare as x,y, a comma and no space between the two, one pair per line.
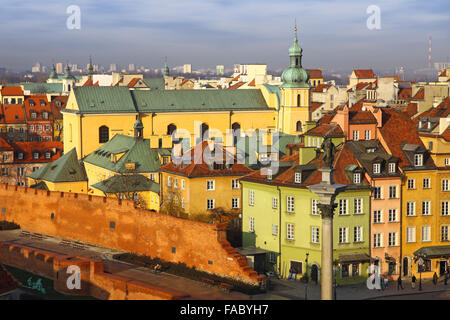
95,114
200,184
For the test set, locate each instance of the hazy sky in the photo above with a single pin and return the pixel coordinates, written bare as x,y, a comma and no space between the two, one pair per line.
205,33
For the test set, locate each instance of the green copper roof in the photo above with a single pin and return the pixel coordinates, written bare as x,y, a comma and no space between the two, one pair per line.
65,169
155,83
198,100
136,151
127,183
295,49
295,76
104,99
53,74
67,75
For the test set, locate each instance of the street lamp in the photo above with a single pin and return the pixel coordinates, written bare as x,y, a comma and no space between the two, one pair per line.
420,262
306,274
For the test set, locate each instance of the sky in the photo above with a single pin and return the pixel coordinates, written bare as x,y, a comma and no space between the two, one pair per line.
205,33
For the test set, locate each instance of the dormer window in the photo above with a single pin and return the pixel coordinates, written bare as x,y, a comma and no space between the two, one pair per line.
45,115
33,115
376,168
31,103
298,177
418,160
42,103
35,155
20,156
47,155
392,167
356,178
370,150
269,174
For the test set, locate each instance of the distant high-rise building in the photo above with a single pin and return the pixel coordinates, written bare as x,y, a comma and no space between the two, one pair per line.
59,67
220,70
36,67
441,65
131,67
113,67
187,68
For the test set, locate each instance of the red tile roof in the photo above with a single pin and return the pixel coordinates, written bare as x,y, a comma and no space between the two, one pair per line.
7,282
237,85
326,129
37,108
420,95
440,111
198,167
90,83
397,130
364,73
12,91
321,87
252,83
14,113
405,94
5,146
443,73
316,105
55,147
314,73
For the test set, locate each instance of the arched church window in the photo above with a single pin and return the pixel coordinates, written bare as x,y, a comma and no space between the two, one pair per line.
103,134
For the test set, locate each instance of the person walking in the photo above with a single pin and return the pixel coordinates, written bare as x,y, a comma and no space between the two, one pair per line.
435,278
413,282
399,283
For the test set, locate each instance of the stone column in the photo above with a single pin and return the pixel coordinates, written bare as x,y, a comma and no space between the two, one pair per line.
327,211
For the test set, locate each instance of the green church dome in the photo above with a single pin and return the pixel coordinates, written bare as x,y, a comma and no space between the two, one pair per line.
295,76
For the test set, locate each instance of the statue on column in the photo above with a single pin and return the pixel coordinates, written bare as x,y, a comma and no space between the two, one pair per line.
329,152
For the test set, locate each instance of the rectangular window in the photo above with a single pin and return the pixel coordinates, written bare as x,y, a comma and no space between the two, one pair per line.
355,135
426,208
444,233
298,177
447,162
358,234
210,204
410,234
378,240
274,203
251,197
445,185
235,203
251,224
290,231
314,207
290,204
376,168
392,192
426,233
392,167
210,185
183,203
418,160
410,208
183,184
274,229
175,182
393,215
20,172
377,193
377,216
314,234
444,208
411,184
343,235
367,134
235,184
357,178
343,206
392,241
358,206
169,181
426,183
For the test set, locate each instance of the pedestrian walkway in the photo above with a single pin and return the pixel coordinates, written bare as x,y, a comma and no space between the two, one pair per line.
297,290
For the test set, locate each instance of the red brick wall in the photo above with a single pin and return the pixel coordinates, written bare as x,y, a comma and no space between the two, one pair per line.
87,218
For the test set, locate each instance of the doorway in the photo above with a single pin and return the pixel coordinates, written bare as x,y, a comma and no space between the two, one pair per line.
405,267
315,273
442,267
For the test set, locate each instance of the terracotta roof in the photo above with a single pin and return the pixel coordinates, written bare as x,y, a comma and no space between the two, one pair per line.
420,95
440,111
316,105
133,82
40,106
357,117
90,82
14,113
5,146
405,94
314,73
7,282
327,117
237,85
321,87
12,91
42,146
252,83
198,167
364,73
286,175
326,129
443,73
57,110
397,130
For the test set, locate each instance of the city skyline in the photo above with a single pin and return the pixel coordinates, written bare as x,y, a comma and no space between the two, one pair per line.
204,34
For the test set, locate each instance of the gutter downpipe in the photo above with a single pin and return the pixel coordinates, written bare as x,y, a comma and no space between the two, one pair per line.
279,229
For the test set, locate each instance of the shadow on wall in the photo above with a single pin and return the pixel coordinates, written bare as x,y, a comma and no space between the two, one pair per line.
248,239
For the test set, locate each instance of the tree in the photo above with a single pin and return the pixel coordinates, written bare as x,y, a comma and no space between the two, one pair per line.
171,204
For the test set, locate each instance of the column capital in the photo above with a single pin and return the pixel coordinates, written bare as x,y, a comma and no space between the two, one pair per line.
327,210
